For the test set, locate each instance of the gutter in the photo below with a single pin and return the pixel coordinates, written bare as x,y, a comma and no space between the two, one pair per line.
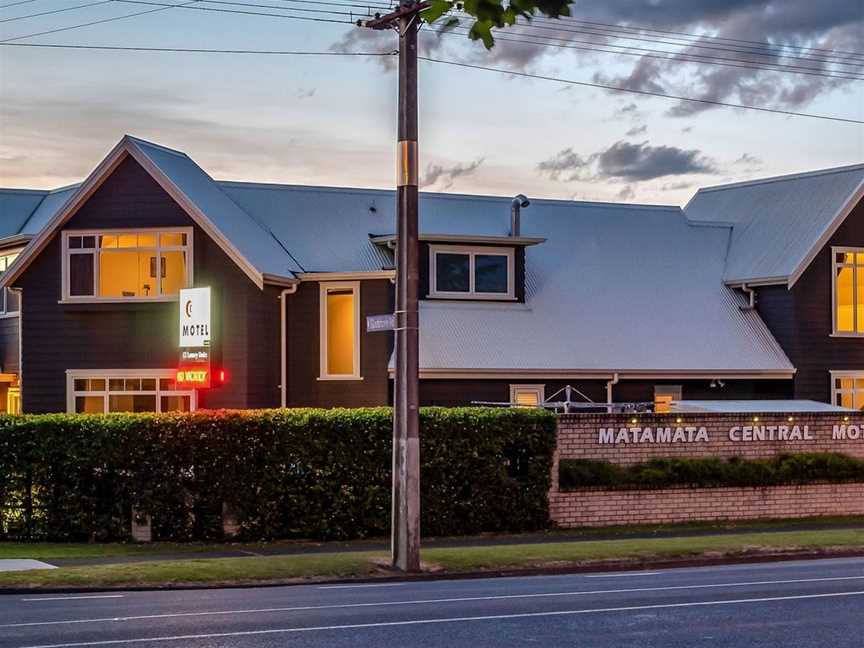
283,343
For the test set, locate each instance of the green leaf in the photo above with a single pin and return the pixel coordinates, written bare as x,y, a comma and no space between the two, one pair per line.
436,9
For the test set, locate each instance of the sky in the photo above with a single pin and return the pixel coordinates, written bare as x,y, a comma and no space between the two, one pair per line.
331,120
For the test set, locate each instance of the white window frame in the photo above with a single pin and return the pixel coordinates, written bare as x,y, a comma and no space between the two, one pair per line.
539,390
324,288
471,252
856,290
108,374
857,395
95,298
4,292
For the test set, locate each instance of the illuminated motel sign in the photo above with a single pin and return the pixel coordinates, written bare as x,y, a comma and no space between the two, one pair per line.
194,369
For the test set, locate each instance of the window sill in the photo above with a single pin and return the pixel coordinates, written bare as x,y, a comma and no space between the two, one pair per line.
129,300
9,315
115,304
470,297
340,378
860,336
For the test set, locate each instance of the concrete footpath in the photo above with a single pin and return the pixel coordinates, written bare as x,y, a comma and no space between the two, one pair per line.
815,604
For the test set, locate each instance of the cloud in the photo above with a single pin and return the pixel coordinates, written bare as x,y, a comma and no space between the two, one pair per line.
627,162
305,93
436,173
369,40
746,158
637,130
565,164
627,193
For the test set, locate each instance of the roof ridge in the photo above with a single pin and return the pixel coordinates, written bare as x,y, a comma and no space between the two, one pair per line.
22,190
139,140
436,194
783,178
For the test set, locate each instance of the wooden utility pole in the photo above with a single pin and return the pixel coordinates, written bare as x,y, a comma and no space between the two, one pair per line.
405,524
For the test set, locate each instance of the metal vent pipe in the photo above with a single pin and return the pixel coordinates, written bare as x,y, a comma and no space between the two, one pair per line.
516,207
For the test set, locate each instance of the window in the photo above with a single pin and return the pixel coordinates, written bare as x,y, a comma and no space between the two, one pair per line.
664,395
143,390
848,291
340,330
527,395
8,298
458,272
847,389
147,265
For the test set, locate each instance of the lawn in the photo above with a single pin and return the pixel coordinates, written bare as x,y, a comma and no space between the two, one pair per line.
323,566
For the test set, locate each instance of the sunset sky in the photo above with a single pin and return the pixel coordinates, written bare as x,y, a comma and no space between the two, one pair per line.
331,119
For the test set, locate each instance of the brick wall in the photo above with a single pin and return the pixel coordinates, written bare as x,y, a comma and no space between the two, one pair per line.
630,439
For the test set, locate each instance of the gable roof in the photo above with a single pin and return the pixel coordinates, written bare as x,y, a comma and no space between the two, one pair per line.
252,246
779,224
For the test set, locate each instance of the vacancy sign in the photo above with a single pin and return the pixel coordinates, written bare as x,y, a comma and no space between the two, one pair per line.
194,367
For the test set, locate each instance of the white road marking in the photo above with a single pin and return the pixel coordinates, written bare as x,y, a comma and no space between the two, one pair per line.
326,587
461,599
73,598
622,575
494,617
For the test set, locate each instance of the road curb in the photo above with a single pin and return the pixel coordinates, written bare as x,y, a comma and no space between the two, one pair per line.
579,568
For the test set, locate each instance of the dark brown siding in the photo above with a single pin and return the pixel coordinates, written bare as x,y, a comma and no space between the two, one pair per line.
304,388
58,337
9,345
802,318
463,392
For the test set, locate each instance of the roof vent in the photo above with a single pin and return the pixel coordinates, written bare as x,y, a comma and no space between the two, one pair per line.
516,207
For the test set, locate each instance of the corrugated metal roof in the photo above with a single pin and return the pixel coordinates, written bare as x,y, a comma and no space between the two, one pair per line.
754,406
16,205
46,210
614,288
777,222
249,236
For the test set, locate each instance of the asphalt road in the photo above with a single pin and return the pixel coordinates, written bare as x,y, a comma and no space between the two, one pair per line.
808,603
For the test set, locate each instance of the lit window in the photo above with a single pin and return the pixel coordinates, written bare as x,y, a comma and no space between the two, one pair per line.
527,395
8,298
120,265
92,392
664,395
848,291
340,330
847,389
458,272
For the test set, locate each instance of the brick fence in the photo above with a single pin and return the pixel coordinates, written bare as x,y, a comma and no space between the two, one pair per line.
630,439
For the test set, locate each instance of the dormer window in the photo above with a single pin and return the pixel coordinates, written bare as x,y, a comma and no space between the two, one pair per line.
126,265
462,272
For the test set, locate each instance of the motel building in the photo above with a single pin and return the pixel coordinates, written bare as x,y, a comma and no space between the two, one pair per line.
754,291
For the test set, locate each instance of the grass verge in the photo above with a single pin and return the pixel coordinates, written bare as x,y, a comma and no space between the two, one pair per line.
257,569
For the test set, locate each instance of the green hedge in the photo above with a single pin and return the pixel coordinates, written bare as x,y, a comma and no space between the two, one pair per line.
786,469
301,473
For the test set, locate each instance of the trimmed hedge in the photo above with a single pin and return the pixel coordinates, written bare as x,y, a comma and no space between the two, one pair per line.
782,470
303,473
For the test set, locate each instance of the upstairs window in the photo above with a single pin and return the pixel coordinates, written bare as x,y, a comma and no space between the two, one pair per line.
340,330
527,395
458,272
848,291
8,298
119,265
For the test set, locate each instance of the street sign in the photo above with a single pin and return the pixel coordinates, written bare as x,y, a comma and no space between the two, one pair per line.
375,323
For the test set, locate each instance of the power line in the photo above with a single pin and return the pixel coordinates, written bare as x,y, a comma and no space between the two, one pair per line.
661,55
190,50
237,11
15,4
55,11
763,44
358,5
641,92
656,41
352,14
98,22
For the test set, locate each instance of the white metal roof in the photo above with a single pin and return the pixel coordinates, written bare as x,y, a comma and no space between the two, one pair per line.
615,288
779,224
755,406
